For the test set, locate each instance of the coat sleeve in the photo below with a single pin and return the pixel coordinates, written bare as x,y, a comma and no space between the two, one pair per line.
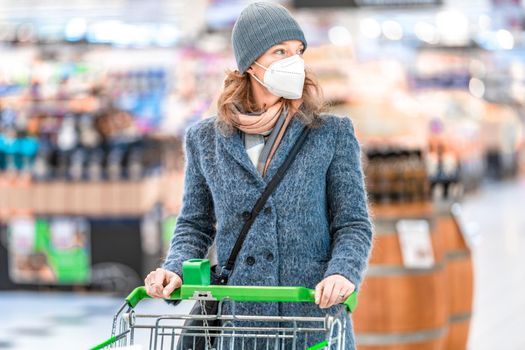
350,225
195,228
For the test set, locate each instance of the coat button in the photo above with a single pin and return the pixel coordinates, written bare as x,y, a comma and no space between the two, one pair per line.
246,215
268,210
269,257
250,260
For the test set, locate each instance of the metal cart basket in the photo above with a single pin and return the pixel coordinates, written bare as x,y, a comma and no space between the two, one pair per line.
227,331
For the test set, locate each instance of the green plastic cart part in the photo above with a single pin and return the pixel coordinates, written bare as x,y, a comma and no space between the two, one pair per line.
110,341
198,271
106,343
318,346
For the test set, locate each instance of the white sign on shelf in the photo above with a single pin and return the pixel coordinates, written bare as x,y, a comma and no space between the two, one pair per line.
416,244
22,235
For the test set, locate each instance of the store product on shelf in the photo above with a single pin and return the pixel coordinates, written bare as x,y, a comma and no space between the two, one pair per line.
17,151
84,156
502,132
396,176
49,250
444,172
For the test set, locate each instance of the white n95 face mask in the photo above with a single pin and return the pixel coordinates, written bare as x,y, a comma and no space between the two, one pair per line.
284,78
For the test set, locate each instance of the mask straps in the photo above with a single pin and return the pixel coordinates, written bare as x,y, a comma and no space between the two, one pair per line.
253,75
260,65
260,82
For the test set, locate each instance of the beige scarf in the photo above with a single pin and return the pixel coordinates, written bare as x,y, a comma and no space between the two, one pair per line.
264,122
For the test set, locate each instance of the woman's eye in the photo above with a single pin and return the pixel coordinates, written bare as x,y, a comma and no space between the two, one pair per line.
280,52
301,51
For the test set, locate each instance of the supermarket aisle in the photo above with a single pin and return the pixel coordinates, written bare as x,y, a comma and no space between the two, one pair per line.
498,215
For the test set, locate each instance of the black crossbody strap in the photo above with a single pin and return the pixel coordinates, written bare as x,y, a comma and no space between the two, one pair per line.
226,270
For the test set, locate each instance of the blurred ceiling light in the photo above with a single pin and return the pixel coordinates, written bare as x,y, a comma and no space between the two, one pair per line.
517,70
476,87
505,39
370,28
104,31
142,35
76,29
167,35
426,32
51,32
477,68
135,35
453,27
392,30
340,36
484,22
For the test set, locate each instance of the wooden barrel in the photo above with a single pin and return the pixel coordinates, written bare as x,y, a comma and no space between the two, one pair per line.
459,275
402,308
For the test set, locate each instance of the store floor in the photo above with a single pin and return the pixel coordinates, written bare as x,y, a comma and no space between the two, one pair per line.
64,320
495,217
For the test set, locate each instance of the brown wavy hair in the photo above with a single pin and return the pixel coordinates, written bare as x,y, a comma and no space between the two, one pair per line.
237,91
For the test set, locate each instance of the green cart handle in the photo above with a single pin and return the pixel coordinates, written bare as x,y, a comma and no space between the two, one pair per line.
197,284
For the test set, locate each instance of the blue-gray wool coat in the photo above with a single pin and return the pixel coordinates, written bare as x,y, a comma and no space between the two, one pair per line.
315,224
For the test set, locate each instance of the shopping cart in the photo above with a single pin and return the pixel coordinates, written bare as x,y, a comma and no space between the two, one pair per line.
232,331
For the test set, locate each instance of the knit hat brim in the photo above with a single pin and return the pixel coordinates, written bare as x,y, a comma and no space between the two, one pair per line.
260,26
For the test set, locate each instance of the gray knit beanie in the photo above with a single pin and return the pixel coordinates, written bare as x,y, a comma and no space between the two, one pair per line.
260,26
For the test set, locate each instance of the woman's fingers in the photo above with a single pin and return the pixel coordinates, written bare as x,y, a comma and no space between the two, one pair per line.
155,282
333,290
161,283
323,292
327,292
319,291
147,283
174,282
348,290
335,297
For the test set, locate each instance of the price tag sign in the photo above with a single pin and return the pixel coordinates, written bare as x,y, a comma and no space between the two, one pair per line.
416,244
22,235
63,233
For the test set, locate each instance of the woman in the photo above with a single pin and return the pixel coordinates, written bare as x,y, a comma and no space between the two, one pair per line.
315,229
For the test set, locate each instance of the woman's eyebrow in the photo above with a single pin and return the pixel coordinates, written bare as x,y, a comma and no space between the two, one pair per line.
283,46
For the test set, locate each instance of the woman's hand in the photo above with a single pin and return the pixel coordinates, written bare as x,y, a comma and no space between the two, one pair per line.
333,290
161,283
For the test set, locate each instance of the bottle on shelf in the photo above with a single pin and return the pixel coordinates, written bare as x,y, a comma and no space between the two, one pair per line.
114,162
77,165
94,165
396,175
135,165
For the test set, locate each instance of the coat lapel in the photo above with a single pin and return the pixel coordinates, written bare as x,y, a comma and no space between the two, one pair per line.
288,141
233,145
